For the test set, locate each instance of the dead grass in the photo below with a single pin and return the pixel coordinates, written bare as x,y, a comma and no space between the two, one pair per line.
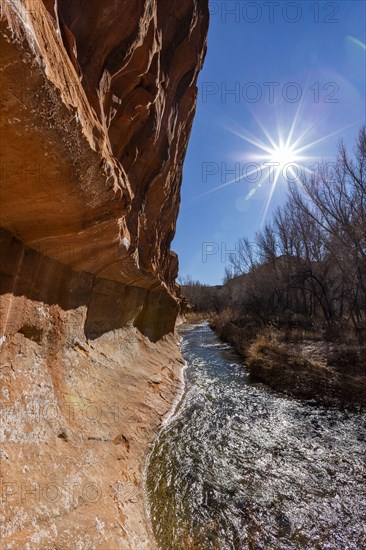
300,362
194,317
334,376
270,352
300,335
232,328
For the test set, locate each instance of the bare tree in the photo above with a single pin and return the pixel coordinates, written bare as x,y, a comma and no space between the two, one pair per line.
311,259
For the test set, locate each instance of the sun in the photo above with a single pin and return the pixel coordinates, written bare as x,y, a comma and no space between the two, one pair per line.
273,159
283,155
277,158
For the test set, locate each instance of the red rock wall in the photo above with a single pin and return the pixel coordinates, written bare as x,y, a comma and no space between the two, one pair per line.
97,100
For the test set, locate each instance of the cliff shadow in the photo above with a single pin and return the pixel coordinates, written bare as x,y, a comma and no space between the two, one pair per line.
24,272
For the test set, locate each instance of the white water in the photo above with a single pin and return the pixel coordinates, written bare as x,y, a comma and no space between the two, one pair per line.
239,466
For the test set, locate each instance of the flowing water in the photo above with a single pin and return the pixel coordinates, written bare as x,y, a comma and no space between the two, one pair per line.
239,466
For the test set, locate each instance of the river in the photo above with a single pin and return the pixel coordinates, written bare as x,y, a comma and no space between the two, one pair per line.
239,466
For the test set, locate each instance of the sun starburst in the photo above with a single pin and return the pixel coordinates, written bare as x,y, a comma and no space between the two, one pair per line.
279,158
285,156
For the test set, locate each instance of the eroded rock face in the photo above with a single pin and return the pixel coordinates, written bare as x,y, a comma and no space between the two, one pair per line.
97,102
77,417
97,107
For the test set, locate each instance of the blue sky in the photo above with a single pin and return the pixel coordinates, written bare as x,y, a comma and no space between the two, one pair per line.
283,62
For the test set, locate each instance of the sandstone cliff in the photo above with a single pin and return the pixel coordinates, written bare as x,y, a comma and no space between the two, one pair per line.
97,102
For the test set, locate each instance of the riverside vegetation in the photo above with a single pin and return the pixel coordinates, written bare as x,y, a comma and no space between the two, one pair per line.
293,302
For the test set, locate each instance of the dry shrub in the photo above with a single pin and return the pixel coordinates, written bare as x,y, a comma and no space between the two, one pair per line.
194,317
342,381
302,335
269,352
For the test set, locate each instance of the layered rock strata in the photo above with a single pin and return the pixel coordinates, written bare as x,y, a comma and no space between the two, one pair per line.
97,102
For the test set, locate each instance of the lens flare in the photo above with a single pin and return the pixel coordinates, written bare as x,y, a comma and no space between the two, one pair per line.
278,158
